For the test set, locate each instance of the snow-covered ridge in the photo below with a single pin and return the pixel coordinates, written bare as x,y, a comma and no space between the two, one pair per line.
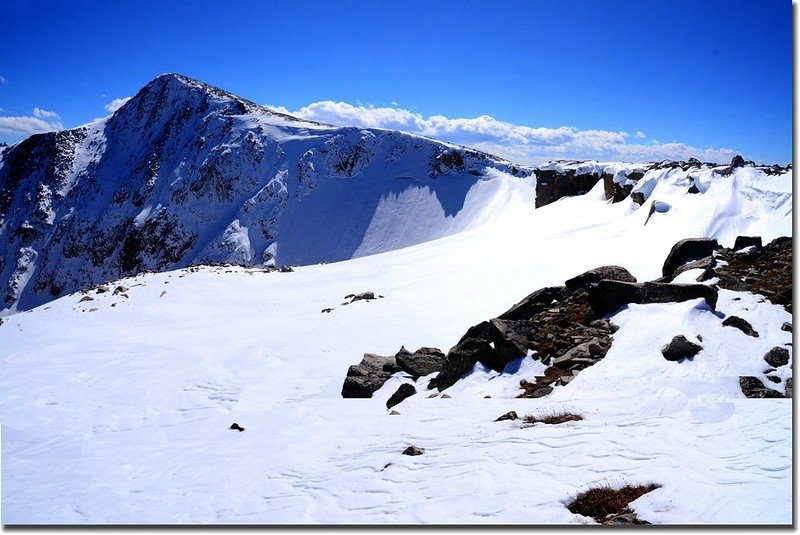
186,172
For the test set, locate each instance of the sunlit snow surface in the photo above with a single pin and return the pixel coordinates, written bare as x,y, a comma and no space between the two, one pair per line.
121,414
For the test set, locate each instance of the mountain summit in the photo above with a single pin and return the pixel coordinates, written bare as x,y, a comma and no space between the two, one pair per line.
185,172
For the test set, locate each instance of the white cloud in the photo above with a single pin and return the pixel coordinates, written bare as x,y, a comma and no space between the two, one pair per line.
3,81
116,104
522,144
44,114
26,126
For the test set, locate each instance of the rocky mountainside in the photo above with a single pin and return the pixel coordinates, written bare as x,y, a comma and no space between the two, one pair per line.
185,172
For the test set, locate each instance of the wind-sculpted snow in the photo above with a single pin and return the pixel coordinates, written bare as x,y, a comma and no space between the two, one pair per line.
185,172
124,416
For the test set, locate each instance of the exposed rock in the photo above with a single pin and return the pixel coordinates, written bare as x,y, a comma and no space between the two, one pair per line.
638,197
102,289
236,427
607,296
766,271
326,311
752,387
413,450
423,361
777,357
623,519
536,302
120,289
706,263
405,391
510,415
368,376
446,396
774,378
617,273
394,413
687,250
747,241
786,326
552,185
789,388
741,324
680,348
86,298
737,161
163,293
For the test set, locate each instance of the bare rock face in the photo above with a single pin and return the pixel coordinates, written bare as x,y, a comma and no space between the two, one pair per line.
593,276
752,387
423,361
777,357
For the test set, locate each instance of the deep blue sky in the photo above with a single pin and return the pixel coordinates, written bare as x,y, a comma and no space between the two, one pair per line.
705,73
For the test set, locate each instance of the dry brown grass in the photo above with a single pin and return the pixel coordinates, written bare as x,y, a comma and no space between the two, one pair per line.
600,502
552,419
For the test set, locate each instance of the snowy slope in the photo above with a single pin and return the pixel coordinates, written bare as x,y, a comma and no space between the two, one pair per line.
185,172
123,417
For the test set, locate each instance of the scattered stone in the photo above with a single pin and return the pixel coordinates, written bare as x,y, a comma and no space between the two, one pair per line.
120,289
236,427
86,298
687,250
446,396
777,357
510,415
364,296
786,326
487,396
326,311
413,450
708,263
365,378
541,391
394,413
741,324
113,304
423,361
163,293
405,391
680,348
774,378
93,309
625,519
752,387
737,161
285,269
593,276
747,241
102,289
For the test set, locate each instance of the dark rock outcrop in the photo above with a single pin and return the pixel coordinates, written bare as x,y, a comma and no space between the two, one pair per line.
616,273
687,250
741,324
752,387
747,241
423,361
680,348
607,296
365,378
510,415
786,326
413,450
405,391
777,357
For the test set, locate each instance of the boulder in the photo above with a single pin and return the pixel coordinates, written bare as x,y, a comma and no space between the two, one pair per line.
509,344
607,296
747,241
423,361
707,263
737,161
510,415
474,346
405,391
537,302
741,324
777,356
786,326
365,378
616,273
687,250
752,387
680,348
413,450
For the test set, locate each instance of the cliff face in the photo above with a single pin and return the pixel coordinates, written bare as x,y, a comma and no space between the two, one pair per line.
185,172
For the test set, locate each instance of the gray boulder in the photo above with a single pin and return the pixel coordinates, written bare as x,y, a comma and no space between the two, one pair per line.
687,250
680,348
752,387
616,273
777,356
365,378
413,450
423,361
607,296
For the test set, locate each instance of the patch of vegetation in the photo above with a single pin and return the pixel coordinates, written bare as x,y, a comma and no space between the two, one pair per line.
603,501
552,419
